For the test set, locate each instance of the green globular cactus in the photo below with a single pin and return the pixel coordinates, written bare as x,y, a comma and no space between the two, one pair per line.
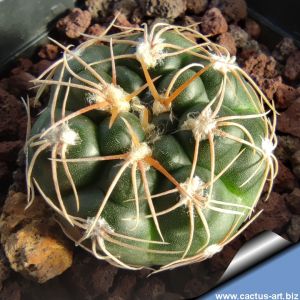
153,149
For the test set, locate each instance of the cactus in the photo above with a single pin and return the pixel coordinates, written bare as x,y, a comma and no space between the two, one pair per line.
154,149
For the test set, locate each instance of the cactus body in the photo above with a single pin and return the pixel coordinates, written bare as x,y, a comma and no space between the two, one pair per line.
153,149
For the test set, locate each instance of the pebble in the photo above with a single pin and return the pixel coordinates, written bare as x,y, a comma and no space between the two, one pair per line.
33,244
239,35
234,10
292,67
20,83
11,291
151,289
169,9
284,49
261,66
213,22
295,160
197,6
293,201
125,287
285,180
49,51
288,121
4,269
269,85
24,64
285,95
226,40
275,216
287,146
252,28
293,230
100,279
99,8
126,7
74,23
41,66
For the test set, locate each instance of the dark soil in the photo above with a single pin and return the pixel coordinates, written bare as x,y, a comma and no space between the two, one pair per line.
276,71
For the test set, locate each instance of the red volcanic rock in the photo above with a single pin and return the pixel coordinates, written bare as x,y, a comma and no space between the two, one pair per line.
275,216
75,23
226,40
288,121
213,22
292,67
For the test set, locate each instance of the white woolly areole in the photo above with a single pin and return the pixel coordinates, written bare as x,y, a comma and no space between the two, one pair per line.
223,63
149,52
113,94
116,95
63,134
136,105
201,125
159,108
140,152
267,146
195,187
101,225
95,98
211,250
